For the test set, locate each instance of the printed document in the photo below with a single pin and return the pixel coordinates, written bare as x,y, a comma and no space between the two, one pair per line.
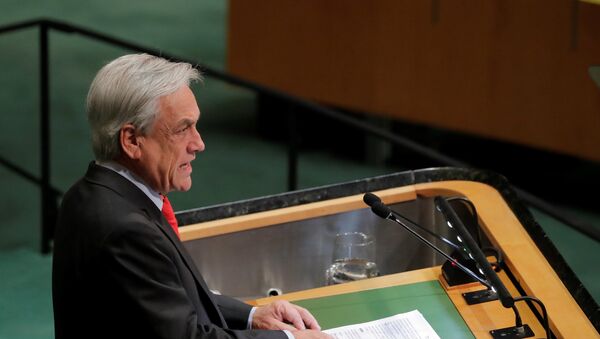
410,325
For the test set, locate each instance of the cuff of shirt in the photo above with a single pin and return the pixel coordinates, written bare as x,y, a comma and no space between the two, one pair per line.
288,333
249,327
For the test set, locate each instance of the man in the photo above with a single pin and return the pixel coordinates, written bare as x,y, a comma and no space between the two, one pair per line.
119,269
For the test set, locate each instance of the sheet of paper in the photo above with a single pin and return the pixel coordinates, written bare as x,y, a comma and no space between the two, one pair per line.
409,325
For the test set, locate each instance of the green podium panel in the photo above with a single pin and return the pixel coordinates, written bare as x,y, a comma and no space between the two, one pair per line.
358,307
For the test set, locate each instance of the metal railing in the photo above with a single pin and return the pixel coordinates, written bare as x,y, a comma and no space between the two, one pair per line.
50,195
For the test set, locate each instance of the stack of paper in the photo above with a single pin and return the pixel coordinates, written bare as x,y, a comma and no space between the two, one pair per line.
410,325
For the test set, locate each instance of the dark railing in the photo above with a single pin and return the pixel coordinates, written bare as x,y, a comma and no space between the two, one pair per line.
50,195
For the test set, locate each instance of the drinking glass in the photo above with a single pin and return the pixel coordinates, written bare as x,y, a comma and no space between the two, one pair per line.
353,258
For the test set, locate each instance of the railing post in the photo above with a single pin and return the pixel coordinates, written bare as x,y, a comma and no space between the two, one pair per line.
292,121
47,196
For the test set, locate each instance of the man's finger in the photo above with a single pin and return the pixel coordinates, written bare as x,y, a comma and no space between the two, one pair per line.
283,326
292,315
308,319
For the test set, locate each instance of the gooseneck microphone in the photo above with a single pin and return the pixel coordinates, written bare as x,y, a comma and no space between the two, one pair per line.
383,211
520,330
370,199
374,202
505,298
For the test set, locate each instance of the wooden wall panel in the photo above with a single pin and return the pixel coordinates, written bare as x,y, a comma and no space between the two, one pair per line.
512,70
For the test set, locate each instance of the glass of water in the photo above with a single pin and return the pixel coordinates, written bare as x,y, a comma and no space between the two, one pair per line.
353,258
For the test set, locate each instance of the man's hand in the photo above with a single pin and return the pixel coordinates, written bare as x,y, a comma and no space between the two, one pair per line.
281,315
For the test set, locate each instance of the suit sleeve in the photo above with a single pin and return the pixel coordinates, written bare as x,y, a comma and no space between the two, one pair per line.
139,261
235,312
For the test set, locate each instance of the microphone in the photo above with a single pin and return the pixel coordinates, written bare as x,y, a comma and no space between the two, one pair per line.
380,209
370,199
520,330
505,298
383,211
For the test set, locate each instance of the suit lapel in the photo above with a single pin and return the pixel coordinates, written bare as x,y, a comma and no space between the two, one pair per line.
122,186
191,265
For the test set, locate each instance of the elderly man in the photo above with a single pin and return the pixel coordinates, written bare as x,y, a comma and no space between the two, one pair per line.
119,268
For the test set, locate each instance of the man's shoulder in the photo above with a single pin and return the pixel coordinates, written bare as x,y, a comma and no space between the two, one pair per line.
86,194
105,189
100,206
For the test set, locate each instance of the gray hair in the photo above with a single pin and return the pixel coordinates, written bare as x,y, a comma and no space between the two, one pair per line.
127,90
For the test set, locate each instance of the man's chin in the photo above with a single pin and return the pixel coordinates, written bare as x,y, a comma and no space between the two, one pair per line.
183,186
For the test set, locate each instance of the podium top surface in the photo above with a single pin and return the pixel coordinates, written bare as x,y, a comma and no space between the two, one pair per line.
428,297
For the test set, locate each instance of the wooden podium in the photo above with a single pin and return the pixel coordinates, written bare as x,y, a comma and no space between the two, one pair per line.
536,267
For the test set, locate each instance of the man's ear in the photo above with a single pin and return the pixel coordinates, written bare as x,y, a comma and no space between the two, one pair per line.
130,142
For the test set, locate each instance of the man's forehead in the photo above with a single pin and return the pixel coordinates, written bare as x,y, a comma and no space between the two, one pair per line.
180,106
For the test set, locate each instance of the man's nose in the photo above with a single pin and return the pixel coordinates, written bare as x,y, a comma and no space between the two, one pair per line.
197,144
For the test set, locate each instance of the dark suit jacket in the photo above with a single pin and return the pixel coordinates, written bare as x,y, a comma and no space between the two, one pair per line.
119,271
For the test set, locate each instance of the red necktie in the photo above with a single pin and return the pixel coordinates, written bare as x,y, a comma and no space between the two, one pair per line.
167,211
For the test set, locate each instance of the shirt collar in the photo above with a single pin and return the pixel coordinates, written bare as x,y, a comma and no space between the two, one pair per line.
154,196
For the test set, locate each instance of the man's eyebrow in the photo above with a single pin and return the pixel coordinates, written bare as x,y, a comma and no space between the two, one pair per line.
185,122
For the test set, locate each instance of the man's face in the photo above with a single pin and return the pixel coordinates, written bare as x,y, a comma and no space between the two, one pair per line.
167,151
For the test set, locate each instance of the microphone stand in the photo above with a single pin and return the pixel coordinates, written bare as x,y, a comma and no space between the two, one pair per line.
385,212
495,287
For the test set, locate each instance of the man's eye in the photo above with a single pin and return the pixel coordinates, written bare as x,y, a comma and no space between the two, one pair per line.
184,129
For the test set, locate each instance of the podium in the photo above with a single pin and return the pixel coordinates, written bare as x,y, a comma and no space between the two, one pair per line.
267,239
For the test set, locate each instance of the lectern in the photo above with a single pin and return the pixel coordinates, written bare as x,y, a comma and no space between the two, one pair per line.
280,247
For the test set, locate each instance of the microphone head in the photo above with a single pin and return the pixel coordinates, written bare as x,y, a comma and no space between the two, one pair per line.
370,199
381,210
